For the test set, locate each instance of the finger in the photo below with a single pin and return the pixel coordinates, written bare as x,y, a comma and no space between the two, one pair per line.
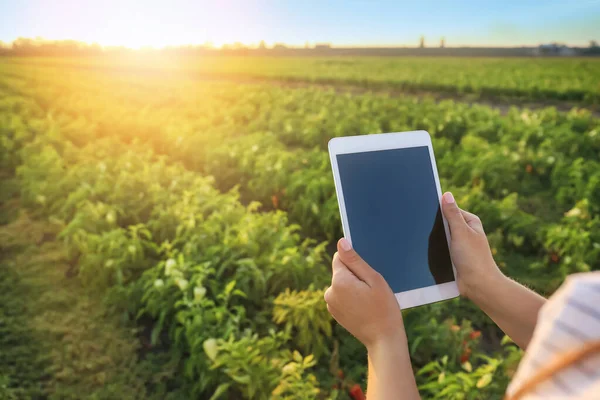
453,214
336,264
328,295
355,263
342,272
472,220
468,216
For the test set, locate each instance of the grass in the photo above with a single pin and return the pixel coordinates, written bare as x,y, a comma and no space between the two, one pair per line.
58,341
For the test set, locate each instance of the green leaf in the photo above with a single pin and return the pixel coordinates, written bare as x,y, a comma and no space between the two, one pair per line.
222,389
210,348
428,367
309,360
505,340
229,287
467,366
244,379
484,381
465,378
415,344
297,356
448,389
441,377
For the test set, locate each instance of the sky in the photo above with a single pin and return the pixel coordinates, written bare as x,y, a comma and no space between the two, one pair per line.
341,23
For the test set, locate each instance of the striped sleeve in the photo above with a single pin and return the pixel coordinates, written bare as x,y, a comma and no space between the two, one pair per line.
569,320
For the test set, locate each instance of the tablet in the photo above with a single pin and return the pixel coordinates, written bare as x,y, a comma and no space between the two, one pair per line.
389,196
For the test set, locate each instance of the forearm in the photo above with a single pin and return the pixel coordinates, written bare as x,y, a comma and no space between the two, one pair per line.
390,372
512,306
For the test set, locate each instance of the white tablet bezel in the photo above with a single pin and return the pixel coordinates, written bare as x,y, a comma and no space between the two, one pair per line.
397,140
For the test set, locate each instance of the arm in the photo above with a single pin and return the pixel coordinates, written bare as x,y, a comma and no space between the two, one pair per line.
362,302
390,372
512,306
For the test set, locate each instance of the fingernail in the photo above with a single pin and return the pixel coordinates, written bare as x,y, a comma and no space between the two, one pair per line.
448,198
345,244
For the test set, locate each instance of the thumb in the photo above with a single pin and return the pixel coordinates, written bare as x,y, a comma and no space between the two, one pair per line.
452,213
355,263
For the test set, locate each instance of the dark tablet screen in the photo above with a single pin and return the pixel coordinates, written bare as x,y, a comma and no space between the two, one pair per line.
394,216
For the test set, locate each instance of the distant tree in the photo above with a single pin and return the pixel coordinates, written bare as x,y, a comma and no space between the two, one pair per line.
262,45
422,42
442,43
593,50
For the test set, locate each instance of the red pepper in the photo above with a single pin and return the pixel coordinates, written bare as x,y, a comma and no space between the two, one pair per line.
465,356
475,334
357,393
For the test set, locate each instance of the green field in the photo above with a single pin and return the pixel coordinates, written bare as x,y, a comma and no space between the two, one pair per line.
184,211
542,79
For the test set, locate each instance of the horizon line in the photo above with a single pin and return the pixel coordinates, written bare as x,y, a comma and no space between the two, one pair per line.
280,45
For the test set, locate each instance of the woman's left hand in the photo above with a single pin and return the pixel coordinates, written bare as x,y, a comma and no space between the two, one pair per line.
361,301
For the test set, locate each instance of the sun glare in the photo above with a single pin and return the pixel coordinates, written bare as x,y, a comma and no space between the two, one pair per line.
156,28
140,36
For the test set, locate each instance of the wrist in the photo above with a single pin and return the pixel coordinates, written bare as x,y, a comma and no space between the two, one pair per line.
390,343
479,288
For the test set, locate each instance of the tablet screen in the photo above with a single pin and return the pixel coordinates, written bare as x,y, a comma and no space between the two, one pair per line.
394,216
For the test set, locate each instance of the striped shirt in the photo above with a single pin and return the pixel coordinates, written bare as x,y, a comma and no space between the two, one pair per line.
567,321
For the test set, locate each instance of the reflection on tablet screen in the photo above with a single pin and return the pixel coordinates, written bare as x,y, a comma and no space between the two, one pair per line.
394,216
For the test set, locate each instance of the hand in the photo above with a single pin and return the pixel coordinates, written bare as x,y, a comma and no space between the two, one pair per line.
469,249
361,300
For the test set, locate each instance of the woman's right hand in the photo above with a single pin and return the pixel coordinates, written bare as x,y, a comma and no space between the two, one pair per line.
469,249
512,306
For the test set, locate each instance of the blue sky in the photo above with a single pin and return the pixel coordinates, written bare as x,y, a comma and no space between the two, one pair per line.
343,23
